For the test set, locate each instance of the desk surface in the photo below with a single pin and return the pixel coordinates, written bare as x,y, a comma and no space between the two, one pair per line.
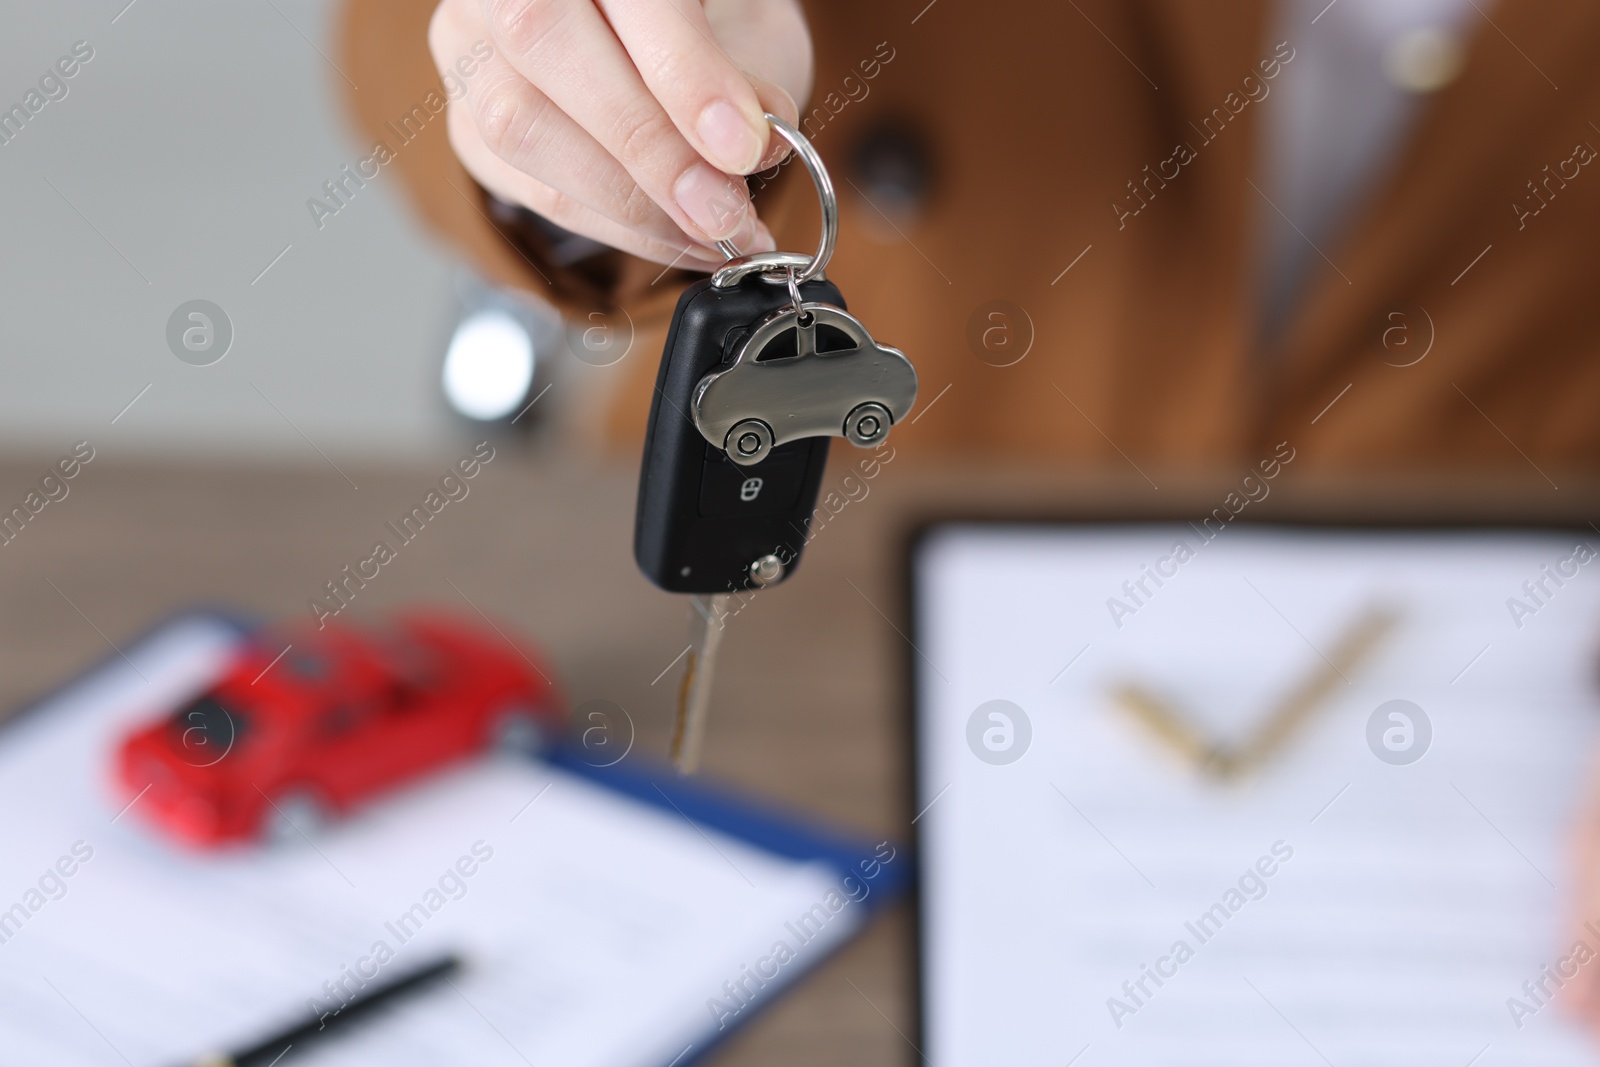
807,706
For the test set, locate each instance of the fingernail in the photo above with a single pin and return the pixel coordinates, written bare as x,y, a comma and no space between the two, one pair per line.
734,145
777,150
713,202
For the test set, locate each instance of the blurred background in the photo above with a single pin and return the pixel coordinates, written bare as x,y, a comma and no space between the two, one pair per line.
177,167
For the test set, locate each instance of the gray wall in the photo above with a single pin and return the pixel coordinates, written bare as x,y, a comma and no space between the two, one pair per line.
187,148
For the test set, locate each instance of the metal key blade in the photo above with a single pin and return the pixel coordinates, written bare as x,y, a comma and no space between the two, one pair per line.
694,691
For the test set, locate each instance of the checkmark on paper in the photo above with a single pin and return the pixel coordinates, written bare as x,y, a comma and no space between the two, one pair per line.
1225,761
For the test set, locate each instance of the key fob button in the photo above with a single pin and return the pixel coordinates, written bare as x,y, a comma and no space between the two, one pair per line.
771,487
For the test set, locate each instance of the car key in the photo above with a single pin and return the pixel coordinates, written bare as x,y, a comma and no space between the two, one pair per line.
763,366
694,689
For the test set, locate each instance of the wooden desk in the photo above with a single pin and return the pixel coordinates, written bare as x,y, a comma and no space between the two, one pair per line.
808,704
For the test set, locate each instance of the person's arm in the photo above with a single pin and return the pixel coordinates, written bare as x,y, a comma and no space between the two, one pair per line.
1580,995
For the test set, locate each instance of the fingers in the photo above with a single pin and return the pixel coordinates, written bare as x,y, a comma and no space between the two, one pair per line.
1580,993
663,243
514,140
708,99
569,52
617,129
515,122
775,99
768,38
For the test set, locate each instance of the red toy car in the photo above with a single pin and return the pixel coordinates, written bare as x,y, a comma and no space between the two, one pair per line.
286,740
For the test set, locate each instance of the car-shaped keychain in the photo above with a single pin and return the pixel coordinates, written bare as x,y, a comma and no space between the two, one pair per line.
815,374
287,740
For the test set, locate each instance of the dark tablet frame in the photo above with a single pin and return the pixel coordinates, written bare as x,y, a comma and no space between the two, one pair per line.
1474,517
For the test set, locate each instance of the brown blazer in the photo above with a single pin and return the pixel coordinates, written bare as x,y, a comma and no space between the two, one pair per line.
1034,117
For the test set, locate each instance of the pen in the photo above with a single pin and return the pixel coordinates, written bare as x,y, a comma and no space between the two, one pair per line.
271,1050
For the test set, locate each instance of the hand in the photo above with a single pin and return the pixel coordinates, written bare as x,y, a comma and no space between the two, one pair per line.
620,119
1580,992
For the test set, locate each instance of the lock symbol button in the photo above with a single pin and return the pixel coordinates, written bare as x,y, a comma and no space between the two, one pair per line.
772,488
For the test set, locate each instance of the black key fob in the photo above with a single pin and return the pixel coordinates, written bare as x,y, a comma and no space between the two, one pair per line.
706,524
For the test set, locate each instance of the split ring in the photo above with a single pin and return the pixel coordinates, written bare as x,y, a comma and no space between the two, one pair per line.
800,268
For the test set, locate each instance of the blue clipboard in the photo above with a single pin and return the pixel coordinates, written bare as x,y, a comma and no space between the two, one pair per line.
739,816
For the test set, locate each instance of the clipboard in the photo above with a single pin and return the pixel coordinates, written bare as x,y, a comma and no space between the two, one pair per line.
1102,817
580,855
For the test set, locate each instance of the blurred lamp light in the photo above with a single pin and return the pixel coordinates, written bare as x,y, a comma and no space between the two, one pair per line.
489,366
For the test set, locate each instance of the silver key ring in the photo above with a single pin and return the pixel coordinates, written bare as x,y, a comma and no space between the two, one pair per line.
791,266
800,311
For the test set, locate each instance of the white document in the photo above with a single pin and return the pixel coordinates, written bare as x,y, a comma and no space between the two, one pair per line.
595,929
1337,907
